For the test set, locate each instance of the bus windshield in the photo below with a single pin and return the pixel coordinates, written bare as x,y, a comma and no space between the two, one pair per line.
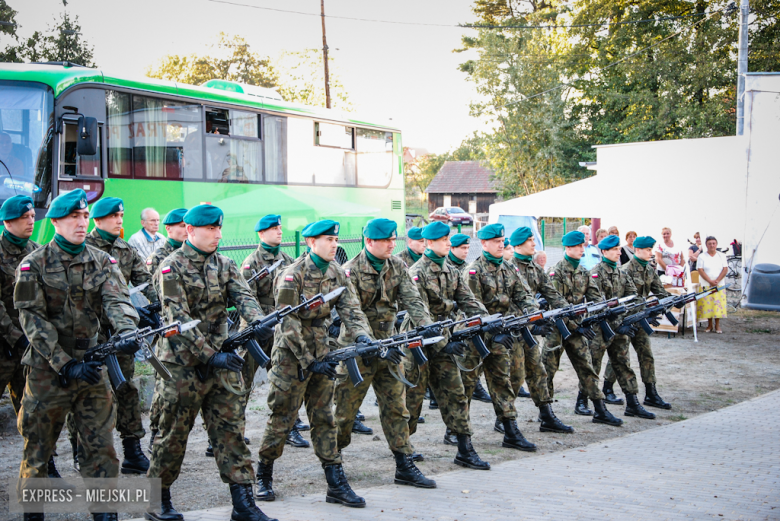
26,116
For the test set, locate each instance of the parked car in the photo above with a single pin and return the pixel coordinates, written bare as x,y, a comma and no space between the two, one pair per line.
452,215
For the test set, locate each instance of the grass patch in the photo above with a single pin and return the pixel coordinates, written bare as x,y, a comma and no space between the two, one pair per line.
759,330
143,369
678,418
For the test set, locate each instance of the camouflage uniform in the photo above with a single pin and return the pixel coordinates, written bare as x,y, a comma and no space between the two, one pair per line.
11,370
613,283
441,288
406,257
153,261
646,281
574,285
378,293
62,300
195,287
298,341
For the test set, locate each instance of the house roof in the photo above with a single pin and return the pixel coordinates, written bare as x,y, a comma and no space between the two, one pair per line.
462,177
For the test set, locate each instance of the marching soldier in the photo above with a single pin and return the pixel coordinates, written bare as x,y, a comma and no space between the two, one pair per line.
460,244
379,279
197,283
442,290
615,283
64,291
415,246
646,281
575,284
298,375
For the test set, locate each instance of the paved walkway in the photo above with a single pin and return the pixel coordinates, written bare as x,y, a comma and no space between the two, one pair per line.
721,465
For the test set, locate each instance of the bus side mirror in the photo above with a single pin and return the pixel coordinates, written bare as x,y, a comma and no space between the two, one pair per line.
88,136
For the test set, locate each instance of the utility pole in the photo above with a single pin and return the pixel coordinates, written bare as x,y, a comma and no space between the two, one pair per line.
742,64
325,56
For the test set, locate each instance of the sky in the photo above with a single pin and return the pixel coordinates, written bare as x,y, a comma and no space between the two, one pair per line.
404,72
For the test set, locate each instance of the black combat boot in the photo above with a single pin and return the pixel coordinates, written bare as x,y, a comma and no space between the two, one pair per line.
339,490
74,445
52,468
499,425
416,456
467,456
360,416
152,436
295,439
634,409
135,461
407,473
244,507
602,415
514,439
433,404
265,481
34,516
210,450
550,422
427,393
167,512
480,394
522,393
359,428
581,407
300,426
106,516
609,394
450,438
653,400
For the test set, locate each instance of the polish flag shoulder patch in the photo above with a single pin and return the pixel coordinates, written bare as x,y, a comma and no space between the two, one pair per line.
347,271
149,261
289,278
165,269
472,272
552,274
247,267
595,275
416,278
113,260
24,266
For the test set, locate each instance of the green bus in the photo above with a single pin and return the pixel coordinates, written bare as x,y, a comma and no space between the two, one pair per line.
168,145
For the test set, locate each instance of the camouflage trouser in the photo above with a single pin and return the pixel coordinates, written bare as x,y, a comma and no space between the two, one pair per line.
443,376
12,376
181,398
496,367
154,408
44,407
617,349
526,366
577,349
285,396
391,395
644,354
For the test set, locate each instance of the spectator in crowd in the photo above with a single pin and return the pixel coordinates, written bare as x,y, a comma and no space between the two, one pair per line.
592,255
694,250
627,252
147,240
669,257
613,230
540,257
600,234
712,267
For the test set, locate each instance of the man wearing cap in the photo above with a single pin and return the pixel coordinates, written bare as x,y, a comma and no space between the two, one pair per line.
198,283
614,283
646,281
415,246
269,230
177,234
63,291
380,280
575,285
297,373
443,291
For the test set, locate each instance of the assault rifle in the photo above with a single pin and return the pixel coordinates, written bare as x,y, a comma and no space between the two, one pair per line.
264,272
475,326
518,326
149,314
664,307
436,327
612,309
558,316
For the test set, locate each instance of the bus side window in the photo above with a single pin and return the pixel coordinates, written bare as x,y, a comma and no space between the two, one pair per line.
235,153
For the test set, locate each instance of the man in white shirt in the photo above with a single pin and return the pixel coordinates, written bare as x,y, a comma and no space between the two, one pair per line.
592,255
147,240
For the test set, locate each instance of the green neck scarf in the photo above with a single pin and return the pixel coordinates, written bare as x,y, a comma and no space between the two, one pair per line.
175,244
574,263
609,263
643,263
456,261
435,258
110,237
377,264
13,239
498,261
319,262
273,250
69,247
415,256
523,258
204,253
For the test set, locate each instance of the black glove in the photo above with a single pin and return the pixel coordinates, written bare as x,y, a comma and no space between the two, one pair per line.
455,348
363,339
430,331
494,328
653,321
263,333
21,345
87,371
326,368
148,319
334,330
393,355
399,320
543,329
505,340
543,304
128,346
229,361
586,332
626,330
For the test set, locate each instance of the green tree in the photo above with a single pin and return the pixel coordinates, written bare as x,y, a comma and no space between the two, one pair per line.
10,49
62,42
302,80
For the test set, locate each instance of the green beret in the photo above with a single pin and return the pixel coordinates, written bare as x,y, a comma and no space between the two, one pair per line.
644,242
506,243
204,215
435,230
14,207
459,239
106,206
414,233
269,221
574,238
380,228
66,204
609,242
520,235
325,227
491,231
175,216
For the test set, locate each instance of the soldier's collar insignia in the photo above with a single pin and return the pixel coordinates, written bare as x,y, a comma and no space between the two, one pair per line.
24,266
165,269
